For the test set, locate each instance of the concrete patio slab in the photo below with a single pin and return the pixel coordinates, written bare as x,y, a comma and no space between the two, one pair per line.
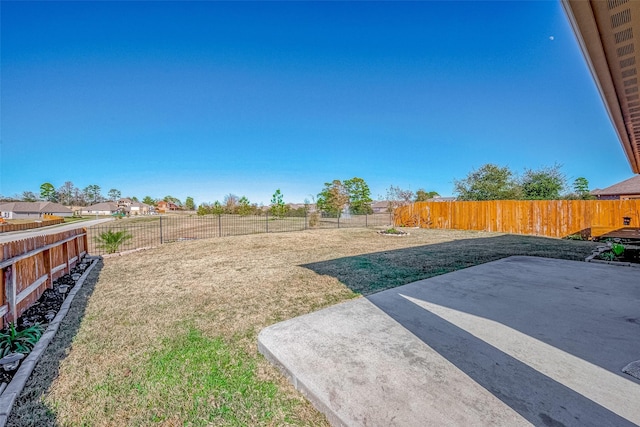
518,341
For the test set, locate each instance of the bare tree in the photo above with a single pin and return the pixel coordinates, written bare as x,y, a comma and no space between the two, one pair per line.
397,197
231,203
66,192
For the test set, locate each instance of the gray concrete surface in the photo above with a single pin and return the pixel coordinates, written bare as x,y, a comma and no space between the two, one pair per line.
519,341
18,235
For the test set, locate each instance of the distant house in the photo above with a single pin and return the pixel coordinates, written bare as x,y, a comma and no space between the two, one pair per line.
381,206
442,199
33,210
167,206
104,208
627,189
134,208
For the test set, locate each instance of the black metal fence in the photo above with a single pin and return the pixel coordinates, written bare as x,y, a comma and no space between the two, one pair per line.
149,231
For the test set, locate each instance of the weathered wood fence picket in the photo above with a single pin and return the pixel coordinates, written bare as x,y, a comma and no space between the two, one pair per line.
29,225
30,266
551,218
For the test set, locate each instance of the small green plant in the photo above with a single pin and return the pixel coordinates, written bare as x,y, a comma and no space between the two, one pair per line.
111,240
607,256
14,341
617,249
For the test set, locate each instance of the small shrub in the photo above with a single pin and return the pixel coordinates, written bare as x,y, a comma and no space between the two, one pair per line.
607,256
314,219
617,249
111,241
13,341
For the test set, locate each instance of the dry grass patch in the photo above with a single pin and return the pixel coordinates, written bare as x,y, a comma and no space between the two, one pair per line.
169,334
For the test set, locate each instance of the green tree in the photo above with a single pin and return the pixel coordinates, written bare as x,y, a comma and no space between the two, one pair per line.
203,209
114,194
581,188
217,208
490,182
278,208
92,193
244,207
189,204
333,198
148,201
135,199
544,184
48,192
359,196
423,196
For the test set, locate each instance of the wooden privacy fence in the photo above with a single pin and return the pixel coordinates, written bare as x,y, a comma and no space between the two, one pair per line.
30,225
31,265
551,218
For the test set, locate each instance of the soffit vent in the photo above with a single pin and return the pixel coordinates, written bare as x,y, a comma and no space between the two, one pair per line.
615,3
625,50
628,62
628,73
630,82
623,35
620,18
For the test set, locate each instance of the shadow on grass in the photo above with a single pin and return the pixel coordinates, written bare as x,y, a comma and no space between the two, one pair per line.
370,273
30,409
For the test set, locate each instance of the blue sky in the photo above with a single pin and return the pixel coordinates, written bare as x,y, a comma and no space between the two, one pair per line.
204,99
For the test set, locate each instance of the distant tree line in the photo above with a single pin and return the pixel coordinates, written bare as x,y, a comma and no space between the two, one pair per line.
492,182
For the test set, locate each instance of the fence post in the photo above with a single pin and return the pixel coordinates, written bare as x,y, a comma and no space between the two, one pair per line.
219,225
366,220
338,220
10,292
305,219
267,220
160,229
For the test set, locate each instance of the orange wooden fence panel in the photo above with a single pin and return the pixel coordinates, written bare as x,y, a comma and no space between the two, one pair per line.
29,267
551,218
29,225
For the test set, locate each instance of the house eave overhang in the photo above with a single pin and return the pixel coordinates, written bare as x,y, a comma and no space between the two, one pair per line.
608,32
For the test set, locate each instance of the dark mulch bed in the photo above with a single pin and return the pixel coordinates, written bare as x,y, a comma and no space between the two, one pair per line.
29,409
47,305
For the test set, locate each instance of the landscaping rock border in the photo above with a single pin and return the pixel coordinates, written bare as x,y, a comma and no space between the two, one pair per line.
598,250
13,390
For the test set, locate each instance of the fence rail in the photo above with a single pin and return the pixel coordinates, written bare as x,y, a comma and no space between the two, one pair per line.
30,266
152,231
29,225
551,218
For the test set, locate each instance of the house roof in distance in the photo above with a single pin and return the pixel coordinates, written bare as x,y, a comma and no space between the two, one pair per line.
104,206
34,207
628,186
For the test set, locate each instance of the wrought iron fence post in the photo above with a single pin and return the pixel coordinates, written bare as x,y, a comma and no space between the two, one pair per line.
305,220
267,220
338,220
160,229
219,225
366,220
